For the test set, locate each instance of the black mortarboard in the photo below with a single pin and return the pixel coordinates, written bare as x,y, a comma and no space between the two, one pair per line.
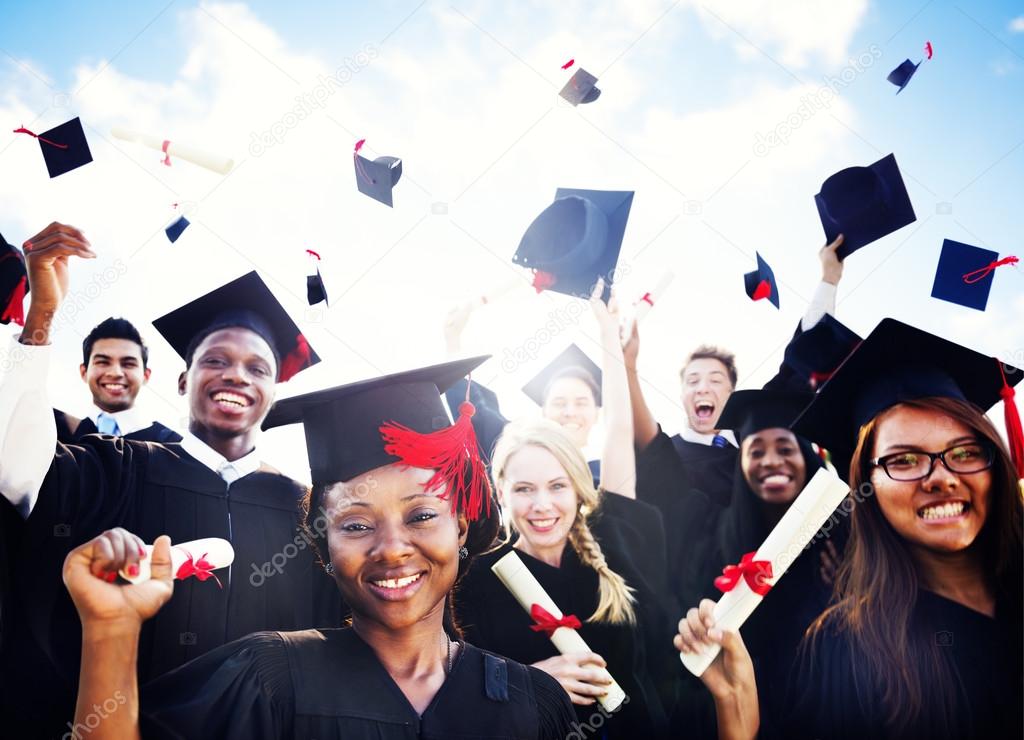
576,240
864,204
815,354
962,277
13,284
902,74
897,362
355,428
175,230
571,362
315,290
581,88
376,178
761,284
750,411
64,147
244,302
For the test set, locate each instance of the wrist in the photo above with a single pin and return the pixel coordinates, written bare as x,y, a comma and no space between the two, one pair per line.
738,710
831,279
111,631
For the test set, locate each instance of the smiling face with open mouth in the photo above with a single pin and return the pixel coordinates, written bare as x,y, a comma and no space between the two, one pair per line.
115,374
394,547
773,465
570,403
945,511
538,497
706,388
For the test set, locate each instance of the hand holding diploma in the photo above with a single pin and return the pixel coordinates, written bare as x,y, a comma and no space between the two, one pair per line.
197,559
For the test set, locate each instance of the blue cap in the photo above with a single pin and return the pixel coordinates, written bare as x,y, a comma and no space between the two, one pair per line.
571,362
64,148
576,240
953,279
761,284
864,204
581,88
902,74
315,290
815,354
175,230
378,177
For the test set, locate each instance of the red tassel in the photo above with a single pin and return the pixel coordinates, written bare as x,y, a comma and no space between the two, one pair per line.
543,280
764,290
568,64
296,360
928,48
15,310
1014,433
24,130
454,456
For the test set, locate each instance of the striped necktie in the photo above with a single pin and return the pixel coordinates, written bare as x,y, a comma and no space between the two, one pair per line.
719,441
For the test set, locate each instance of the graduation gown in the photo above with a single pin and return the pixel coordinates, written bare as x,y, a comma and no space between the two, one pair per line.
152,489
71,429
984,653
329,684
641,657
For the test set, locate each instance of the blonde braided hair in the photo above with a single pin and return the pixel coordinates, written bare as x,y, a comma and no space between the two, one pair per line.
615,598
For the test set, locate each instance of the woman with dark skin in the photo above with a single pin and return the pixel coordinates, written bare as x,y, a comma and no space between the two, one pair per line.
397,538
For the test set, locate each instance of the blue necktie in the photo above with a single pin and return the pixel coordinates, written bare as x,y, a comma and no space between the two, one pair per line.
107,424
719,441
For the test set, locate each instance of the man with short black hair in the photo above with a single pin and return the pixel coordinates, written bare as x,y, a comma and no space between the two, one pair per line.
115,366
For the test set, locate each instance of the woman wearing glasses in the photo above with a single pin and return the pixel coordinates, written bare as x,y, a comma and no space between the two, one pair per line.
924,635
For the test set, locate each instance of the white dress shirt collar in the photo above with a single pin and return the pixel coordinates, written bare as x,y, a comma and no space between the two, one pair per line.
229,470
706,439
128,421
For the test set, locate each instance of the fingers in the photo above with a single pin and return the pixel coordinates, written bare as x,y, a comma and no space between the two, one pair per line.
581,693
590,658
160,566
116,550
55,230
692,637
597,291
835,243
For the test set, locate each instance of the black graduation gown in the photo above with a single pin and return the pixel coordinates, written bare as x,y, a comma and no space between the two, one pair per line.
152,489
329,684
71,429
641,658
985,654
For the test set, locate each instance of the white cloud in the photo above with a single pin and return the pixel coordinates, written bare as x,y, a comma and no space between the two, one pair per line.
1016,25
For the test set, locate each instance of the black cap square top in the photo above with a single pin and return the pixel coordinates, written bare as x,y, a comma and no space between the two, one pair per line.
571,362
581,88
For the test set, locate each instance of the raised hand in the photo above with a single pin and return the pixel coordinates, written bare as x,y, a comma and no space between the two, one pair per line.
831,265
582,675
46,261
607,315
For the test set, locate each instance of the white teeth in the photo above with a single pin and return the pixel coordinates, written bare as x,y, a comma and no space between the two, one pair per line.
776,480
397,582
943,511
232,398
543,522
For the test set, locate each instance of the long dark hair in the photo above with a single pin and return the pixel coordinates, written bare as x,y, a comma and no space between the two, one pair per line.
876,588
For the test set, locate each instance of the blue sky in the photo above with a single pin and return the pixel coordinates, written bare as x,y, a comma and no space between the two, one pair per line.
465,93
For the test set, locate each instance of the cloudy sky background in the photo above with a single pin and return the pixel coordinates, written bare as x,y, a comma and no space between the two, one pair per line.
697,98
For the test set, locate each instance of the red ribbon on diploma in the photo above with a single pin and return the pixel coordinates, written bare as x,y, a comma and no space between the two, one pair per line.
547,623
167,157
755,572
201,569
646,298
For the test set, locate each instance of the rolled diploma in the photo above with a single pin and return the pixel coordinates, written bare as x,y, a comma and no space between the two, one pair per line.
643,307
219,553
220,165
517,578
783,545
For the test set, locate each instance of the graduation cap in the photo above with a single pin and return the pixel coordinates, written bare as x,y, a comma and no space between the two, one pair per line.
761,284
400,418
815,354
378,177
13,284
576,240
581,88
64,147
245,302
898,362
902,74
864,204
315,290
964,274
750,411
572,362
176,229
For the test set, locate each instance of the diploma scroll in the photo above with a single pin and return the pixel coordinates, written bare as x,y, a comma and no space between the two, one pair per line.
220,165
647,300
197,558
517,578
799,524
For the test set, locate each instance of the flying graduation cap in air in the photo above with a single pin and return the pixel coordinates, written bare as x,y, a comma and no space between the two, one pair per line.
902,74
581,87
315,290
761,284
377,178
965,273
64,147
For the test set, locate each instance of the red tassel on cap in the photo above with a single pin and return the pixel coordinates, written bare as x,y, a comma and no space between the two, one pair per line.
568,64
454,456
15,309
296,360
1014,433
763,290
543,280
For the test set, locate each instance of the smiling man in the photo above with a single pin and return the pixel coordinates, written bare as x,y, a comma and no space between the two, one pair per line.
237,343
115,367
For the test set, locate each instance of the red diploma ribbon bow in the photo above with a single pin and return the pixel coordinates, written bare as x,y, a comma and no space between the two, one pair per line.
981,274
646,298
24,130
546,622
167,157
755,572
201,569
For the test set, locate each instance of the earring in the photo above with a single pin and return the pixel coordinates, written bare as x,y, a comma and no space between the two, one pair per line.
463,552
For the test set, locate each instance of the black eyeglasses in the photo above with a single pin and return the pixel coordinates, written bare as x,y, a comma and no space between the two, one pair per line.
910,466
